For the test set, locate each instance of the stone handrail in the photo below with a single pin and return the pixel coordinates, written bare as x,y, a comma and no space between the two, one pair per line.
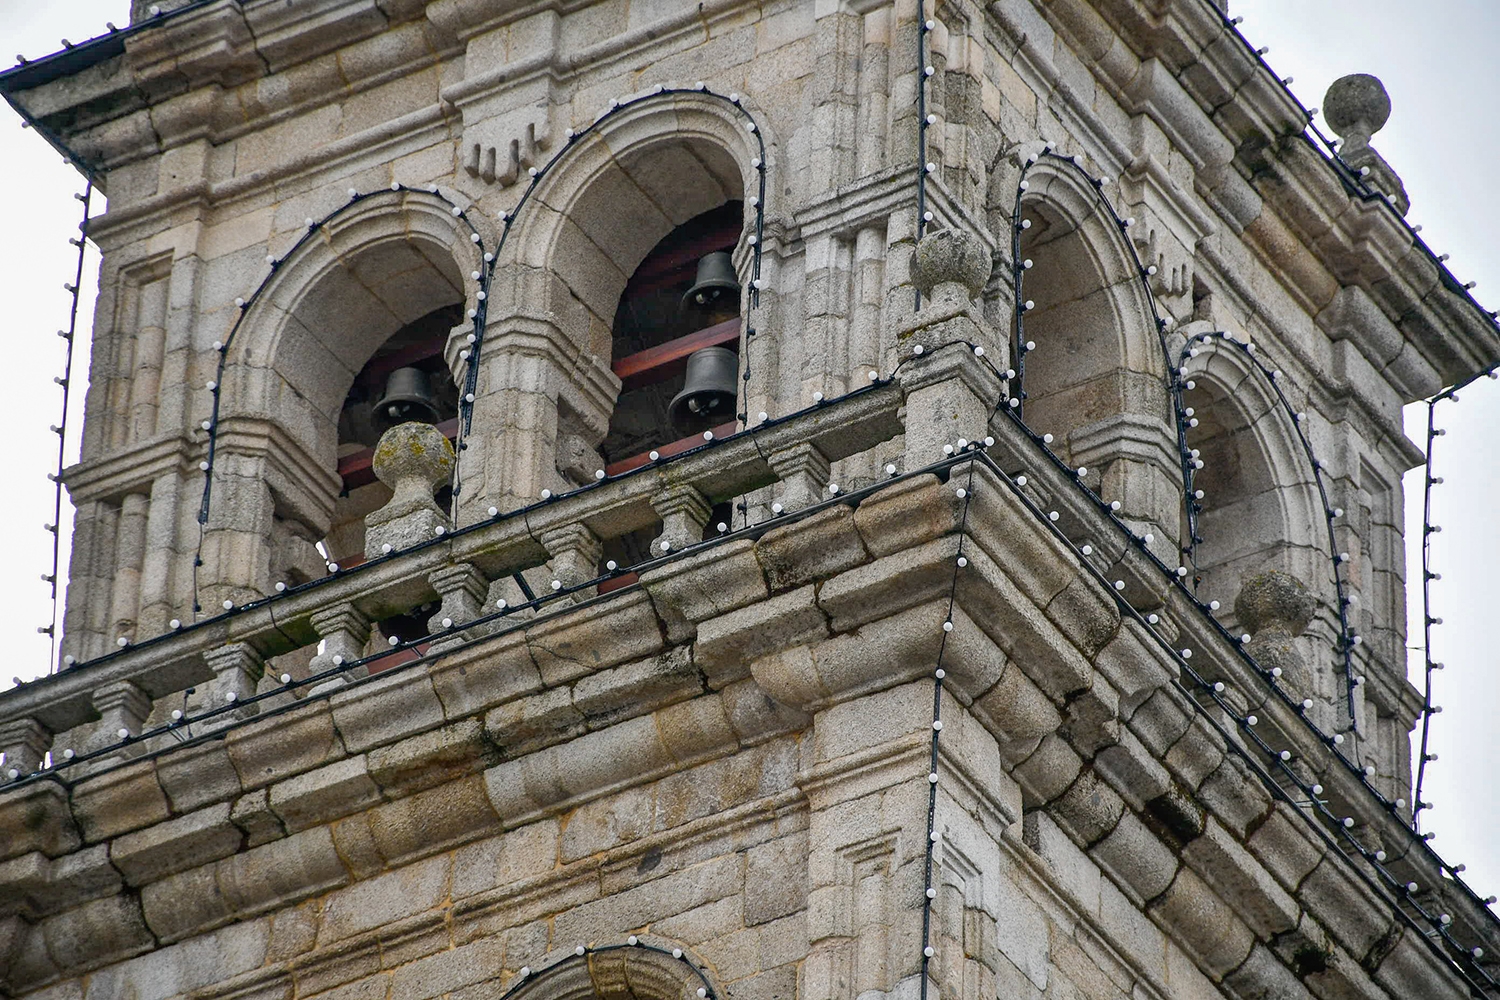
507,544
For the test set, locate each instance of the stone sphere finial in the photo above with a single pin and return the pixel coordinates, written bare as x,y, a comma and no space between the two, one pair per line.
950,255
413,460
1275,600
415,456
1357,106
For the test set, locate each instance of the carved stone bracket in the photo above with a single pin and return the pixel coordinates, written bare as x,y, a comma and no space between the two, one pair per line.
344,630
24,743
121,705
575,552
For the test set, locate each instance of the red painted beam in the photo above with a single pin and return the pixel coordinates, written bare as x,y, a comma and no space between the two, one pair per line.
666,450
656,364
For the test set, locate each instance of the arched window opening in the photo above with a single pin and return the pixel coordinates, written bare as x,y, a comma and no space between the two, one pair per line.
675,345
659,328
1078,374
1257,511
408,372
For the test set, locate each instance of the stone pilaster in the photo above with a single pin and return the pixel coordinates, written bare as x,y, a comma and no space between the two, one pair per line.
803,471
237,669
684,511
463,590
24,743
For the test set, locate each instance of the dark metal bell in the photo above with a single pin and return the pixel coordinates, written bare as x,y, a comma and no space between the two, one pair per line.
708,392
717,286
408,396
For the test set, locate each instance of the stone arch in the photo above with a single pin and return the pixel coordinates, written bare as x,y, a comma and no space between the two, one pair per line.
366,272
1261,508
626,972
606,202
1095,380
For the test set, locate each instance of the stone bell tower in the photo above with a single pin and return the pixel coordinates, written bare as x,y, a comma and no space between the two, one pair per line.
756,501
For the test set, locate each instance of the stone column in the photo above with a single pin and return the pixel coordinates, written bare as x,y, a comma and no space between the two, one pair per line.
575,552
121,705
236,547
463,589
684,511
803,471
950,391
130,553
344,630
237,670
413,459
160,557
24,743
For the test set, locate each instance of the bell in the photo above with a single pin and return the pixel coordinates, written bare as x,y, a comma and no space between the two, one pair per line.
708,391
408,396
717,287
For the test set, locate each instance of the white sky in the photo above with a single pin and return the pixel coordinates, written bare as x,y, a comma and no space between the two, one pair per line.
1437,61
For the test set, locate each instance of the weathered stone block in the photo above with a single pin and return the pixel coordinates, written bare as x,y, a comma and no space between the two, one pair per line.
905,515
127,798
575,645
811,549
1241,881
738,637
1195,915
1141,864
704,585
272,749
323,795
36,817
195,776
372,903
484,675
384,709
175,845
431,758
776,879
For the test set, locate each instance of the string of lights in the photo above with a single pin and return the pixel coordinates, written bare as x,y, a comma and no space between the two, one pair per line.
526,975
1430,664
74,289
1176,383
1396,893
925,71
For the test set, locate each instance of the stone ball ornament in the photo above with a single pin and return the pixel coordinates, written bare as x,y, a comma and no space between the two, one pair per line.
1357,105
950,255
1272,599
413,459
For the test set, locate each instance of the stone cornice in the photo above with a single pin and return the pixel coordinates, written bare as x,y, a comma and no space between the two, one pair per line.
132,469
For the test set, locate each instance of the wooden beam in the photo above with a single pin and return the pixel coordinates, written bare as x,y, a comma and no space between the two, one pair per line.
675,448
659,363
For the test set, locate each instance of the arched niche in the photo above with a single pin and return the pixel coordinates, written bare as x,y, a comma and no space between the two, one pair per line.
1095,378
365,275
616,973
610,198
1260,508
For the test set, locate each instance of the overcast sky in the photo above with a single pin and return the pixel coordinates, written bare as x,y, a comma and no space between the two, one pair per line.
1440,70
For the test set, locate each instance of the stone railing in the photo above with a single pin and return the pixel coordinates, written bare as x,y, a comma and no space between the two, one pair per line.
454,569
